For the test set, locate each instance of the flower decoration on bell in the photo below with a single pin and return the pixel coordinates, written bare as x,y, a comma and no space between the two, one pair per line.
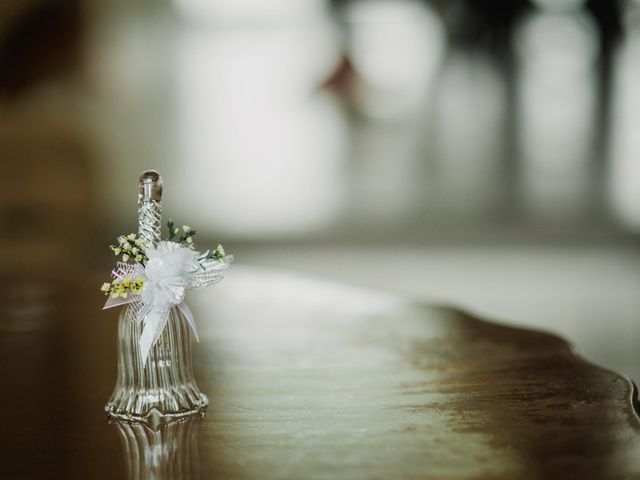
152,280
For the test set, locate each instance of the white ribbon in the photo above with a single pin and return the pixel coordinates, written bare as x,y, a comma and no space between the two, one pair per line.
170,270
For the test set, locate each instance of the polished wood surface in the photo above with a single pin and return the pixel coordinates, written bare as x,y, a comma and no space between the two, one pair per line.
309,379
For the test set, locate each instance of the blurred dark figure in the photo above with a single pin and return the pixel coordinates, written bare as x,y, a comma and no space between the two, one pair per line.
45,171
39,39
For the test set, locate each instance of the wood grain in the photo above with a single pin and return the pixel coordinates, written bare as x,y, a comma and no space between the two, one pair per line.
308,379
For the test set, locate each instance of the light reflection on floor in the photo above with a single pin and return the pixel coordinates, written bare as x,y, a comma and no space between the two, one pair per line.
624,168
470,103
266,155
557,54
237,114
396,47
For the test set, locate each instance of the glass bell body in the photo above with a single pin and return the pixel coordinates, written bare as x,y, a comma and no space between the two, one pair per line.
164,388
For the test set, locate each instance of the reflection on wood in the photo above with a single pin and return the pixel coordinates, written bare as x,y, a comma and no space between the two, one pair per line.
169,451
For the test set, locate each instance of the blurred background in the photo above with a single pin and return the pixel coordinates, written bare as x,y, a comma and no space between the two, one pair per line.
480,153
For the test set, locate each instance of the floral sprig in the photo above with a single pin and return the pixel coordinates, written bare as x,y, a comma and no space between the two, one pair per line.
186,237
217,254
130,247
122,287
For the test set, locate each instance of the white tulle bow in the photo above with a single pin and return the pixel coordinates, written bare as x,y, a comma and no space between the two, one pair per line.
170,270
